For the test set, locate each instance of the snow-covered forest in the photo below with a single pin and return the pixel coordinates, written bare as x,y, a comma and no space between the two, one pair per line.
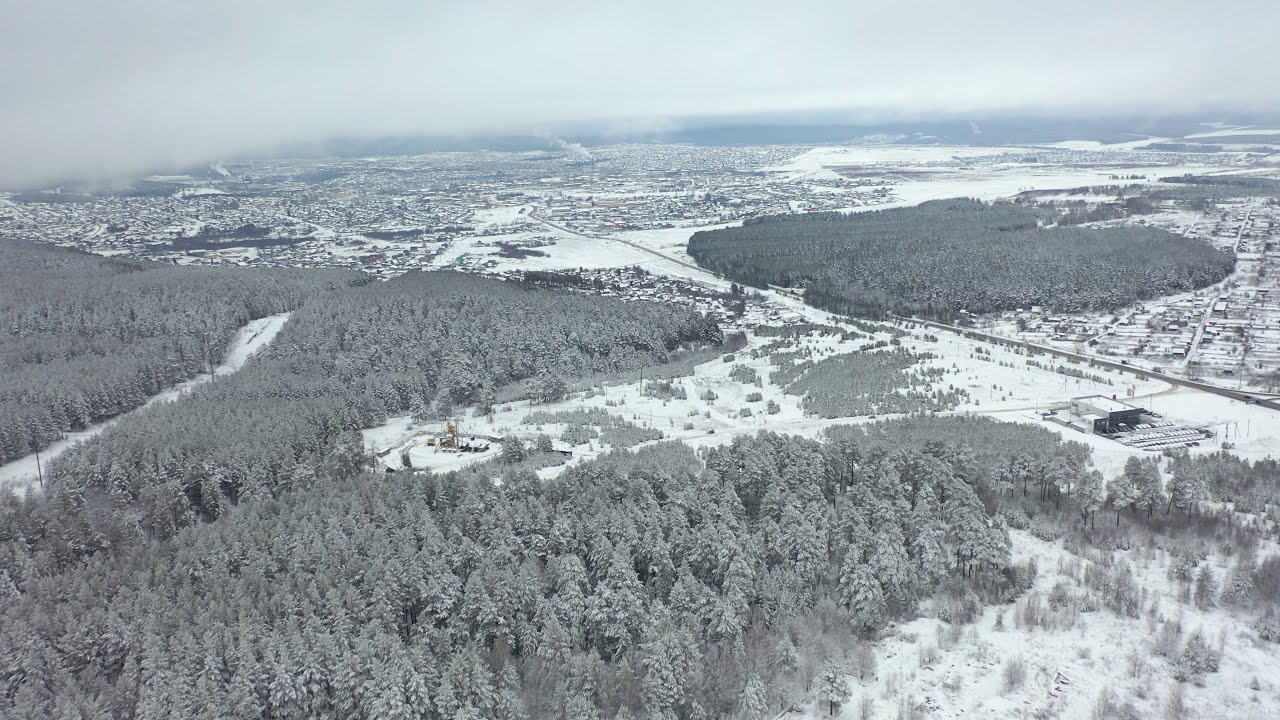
87,338
945,256
522,458
659,583
425,342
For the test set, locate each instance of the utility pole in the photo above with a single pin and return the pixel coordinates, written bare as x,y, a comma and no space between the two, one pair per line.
39,471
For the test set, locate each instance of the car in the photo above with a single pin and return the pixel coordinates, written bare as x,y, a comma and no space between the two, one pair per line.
712,431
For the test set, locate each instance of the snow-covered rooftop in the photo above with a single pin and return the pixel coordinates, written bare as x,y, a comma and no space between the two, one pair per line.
1103,403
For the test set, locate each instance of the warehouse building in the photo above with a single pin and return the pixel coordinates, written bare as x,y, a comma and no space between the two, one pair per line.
1105,414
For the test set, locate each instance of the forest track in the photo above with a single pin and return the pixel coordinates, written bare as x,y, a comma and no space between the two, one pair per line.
23,473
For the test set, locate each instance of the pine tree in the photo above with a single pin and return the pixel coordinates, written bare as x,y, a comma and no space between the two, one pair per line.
1268,625
753,703
1195,660
786,657
833,685
1089,495
1150,487
891,566
1206,587
616,608
1124,492
1187,486
860,592
509,704
668,655
471,683
927,545
1237,591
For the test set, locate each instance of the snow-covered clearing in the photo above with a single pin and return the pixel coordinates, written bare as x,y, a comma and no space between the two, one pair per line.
959,671
569,251
401,432
1003,387
20,475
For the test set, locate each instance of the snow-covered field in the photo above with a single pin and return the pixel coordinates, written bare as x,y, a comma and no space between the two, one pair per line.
958,672
21,474
1003,387
1236,132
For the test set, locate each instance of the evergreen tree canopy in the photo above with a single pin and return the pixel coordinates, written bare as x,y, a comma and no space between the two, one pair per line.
949,255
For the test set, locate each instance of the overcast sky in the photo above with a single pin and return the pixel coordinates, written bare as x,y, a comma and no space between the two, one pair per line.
108,87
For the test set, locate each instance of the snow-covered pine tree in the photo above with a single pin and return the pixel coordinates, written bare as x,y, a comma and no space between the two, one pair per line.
833,686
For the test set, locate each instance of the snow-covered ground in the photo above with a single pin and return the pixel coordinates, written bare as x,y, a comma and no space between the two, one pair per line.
960,673
1100,650
19,475
1003,387
1236,132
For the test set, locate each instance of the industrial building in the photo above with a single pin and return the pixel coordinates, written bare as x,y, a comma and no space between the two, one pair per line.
1104,415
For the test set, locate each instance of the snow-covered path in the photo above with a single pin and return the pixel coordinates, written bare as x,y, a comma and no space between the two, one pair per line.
21,474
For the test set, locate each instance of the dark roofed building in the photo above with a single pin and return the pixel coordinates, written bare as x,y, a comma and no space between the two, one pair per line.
1106,414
